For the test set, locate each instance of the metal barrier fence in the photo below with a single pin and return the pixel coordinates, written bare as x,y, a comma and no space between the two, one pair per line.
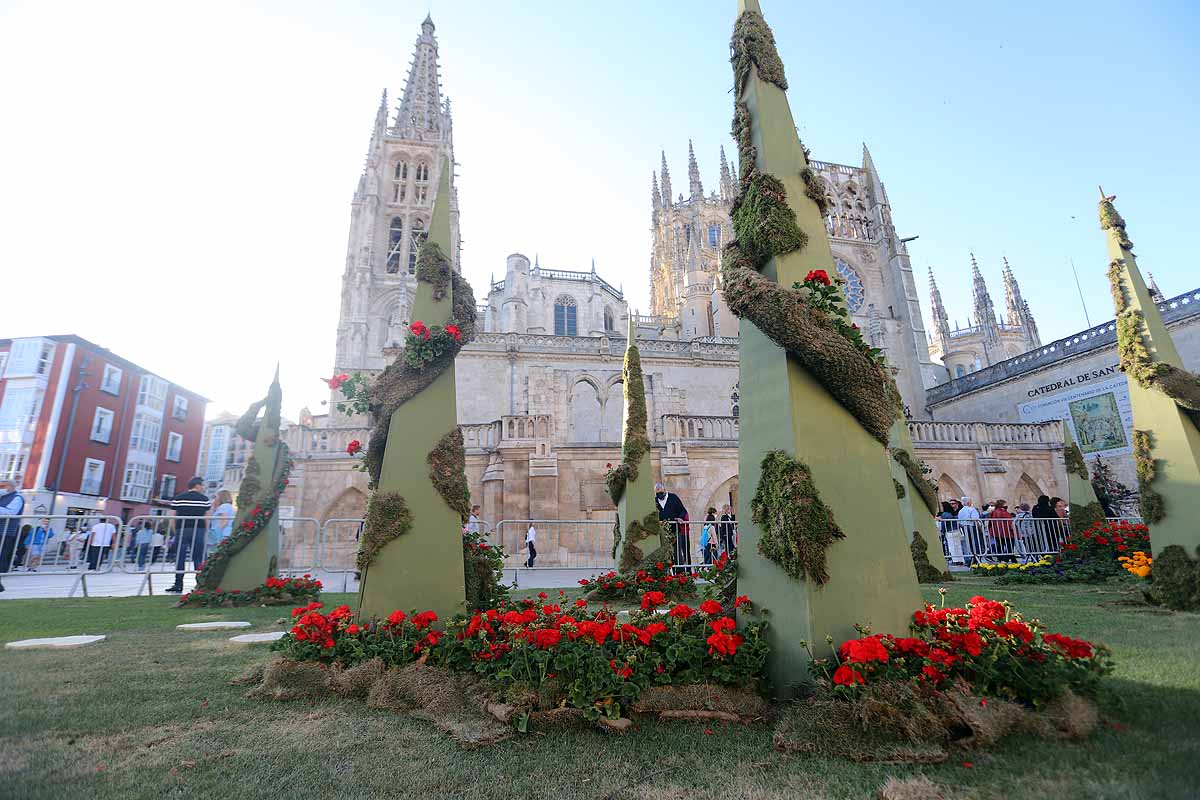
157,546
967,542
87,545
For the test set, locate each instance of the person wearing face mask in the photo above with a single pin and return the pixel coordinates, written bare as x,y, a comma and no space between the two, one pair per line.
672,511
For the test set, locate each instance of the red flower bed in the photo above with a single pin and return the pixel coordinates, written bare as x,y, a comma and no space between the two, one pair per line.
986,644
588,659
275,592
659,579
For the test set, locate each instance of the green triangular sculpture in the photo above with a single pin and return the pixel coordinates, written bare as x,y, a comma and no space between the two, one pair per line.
1085,508
251,553
420,565
787,402
919,500
638,533
1165,399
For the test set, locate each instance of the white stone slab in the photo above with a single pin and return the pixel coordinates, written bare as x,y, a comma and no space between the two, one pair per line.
256,638
211,626
53,642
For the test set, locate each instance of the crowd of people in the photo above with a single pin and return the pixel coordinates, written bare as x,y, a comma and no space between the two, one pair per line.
998,534
89,543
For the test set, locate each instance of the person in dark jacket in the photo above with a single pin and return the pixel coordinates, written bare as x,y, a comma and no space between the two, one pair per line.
672,511
727,530
12,505
190,509
1045,524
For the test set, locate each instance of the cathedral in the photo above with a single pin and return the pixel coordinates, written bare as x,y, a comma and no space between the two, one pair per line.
539,389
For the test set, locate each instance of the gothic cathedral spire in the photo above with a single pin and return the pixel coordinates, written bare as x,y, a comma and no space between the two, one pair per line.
985,311
420,110
1018,308
728,189
695,188
940,320
666,182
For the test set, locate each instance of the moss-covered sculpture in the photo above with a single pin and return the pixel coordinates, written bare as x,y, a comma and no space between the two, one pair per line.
629,483
1164,396
916,478
250,554
809,391
413,553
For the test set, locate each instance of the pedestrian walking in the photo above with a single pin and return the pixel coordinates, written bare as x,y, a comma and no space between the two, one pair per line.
473,520
968,524
951,533
727,531
100,539
143,542
672,511
531,545
1024,526
35,542
1003,532
1045,524
76,542
190,509
708,536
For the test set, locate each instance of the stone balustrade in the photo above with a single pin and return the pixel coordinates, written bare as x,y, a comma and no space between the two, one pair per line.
973,435
697,428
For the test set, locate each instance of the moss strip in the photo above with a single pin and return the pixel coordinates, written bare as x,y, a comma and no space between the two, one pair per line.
797,528
1150,502
926,572
900,493
1175,580
638,531
862,386
1084,517
388,518
636,441
912,468
434,268
754,43
447,472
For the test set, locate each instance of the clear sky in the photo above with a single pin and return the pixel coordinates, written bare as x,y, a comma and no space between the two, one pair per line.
175,178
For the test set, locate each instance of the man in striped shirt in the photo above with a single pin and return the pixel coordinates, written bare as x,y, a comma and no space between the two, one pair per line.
191,508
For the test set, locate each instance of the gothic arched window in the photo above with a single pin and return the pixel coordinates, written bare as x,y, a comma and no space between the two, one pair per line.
400,182
395,242
418,238
852,288
564,316
421,183
714,235
735,399
608,320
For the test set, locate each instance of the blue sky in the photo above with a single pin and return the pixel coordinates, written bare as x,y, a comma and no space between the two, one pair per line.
178,180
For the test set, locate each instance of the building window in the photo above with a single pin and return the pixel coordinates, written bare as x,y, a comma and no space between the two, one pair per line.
852,287
147,430
152,392
3,363
608,320
12,467
400,182
111,381
29,357
959,371
174,446
418,238
395,242
93,473
166,487
180,407
102,425
735,399
421,184
564,316
44,359
20,409
138,480
714,235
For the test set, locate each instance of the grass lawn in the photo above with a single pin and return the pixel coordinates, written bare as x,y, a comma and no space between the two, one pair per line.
150,713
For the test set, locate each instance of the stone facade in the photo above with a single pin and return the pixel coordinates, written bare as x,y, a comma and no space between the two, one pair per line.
539,390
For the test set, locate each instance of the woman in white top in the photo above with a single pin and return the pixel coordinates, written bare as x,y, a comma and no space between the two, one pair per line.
75,541
222,519
531,543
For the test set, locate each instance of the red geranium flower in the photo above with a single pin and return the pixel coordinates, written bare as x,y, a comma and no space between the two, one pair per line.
847,676
819,276
454,331
396,617
336,381
742,600
710,607
545,638
354,447
653,600
625,671
418,329
681,611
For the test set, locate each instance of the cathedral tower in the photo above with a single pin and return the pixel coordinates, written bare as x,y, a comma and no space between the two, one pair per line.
390,214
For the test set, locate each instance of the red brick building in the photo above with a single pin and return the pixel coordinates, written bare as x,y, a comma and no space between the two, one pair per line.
84,430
